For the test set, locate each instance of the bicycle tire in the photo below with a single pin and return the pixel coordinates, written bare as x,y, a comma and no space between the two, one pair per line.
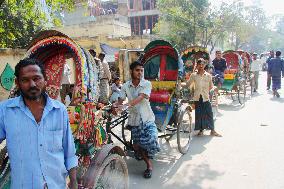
183,149
102,178
242,95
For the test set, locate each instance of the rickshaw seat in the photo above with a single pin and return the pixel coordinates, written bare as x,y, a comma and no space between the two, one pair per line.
230,71
161,96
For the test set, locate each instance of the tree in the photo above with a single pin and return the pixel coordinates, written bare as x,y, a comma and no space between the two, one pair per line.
182,22
20,20
196,22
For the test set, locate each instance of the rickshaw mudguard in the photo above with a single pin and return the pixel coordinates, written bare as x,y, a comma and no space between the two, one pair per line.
105,151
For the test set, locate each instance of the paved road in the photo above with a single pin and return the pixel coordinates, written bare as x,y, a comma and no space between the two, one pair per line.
250,154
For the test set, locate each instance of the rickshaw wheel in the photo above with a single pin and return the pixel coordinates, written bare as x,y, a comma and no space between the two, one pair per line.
242,93
4,169
251,83
184,131
214,104
113,173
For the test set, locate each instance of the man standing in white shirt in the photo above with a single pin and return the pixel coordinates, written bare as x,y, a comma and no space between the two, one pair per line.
141,118
104,80
65,82
255,68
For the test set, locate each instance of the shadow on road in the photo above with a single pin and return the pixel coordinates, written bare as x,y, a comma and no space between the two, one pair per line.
234,106
167,164
281,100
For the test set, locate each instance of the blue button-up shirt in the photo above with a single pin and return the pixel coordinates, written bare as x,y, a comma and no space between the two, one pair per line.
39,152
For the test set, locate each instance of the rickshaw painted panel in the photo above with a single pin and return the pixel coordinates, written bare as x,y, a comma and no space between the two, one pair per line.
163,85
161,96
233,60
54,68
163,113
160,110
228,84
229,76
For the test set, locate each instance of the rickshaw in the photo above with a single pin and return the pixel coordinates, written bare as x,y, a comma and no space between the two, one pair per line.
190,57
234,79
99,159
247,60
172,115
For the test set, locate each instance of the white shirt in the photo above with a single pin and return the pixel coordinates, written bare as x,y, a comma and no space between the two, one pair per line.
256,65
202,85
106,71
141,112
66,74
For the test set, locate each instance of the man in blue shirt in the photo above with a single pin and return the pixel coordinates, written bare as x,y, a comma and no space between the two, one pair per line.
275,69
271,56
220,65
38,135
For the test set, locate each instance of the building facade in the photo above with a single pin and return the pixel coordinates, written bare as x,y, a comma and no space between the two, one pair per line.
143,15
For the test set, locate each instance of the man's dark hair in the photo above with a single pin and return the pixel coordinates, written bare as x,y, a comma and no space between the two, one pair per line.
200,60
102,54
93,52
26,62
116,79
135,64
278,53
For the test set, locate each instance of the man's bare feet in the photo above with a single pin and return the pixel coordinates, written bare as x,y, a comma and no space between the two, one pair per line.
214,133
200,133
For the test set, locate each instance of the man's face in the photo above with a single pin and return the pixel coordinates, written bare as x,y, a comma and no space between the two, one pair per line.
254,56
137,72
200,67
101,57
218,55
31,82
272,53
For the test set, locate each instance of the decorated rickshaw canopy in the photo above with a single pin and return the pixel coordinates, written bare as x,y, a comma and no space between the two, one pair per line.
247,55
233,59
195,52
53,49
160,61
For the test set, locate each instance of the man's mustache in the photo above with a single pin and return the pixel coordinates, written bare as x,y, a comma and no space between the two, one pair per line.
33,89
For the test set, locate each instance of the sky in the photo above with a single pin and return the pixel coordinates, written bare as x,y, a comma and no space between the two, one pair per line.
270,6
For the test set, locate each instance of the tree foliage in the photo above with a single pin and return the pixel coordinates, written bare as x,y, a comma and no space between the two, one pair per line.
196,22
21,19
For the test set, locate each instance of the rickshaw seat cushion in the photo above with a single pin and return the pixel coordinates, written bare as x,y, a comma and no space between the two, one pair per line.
161,96
230,71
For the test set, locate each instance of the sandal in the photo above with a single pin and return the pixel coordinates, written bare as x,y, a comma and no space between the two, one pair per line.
215,134
148,173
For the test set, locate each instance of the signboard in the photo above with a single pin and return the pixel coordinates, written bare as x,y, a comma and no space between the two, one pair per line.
7,77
